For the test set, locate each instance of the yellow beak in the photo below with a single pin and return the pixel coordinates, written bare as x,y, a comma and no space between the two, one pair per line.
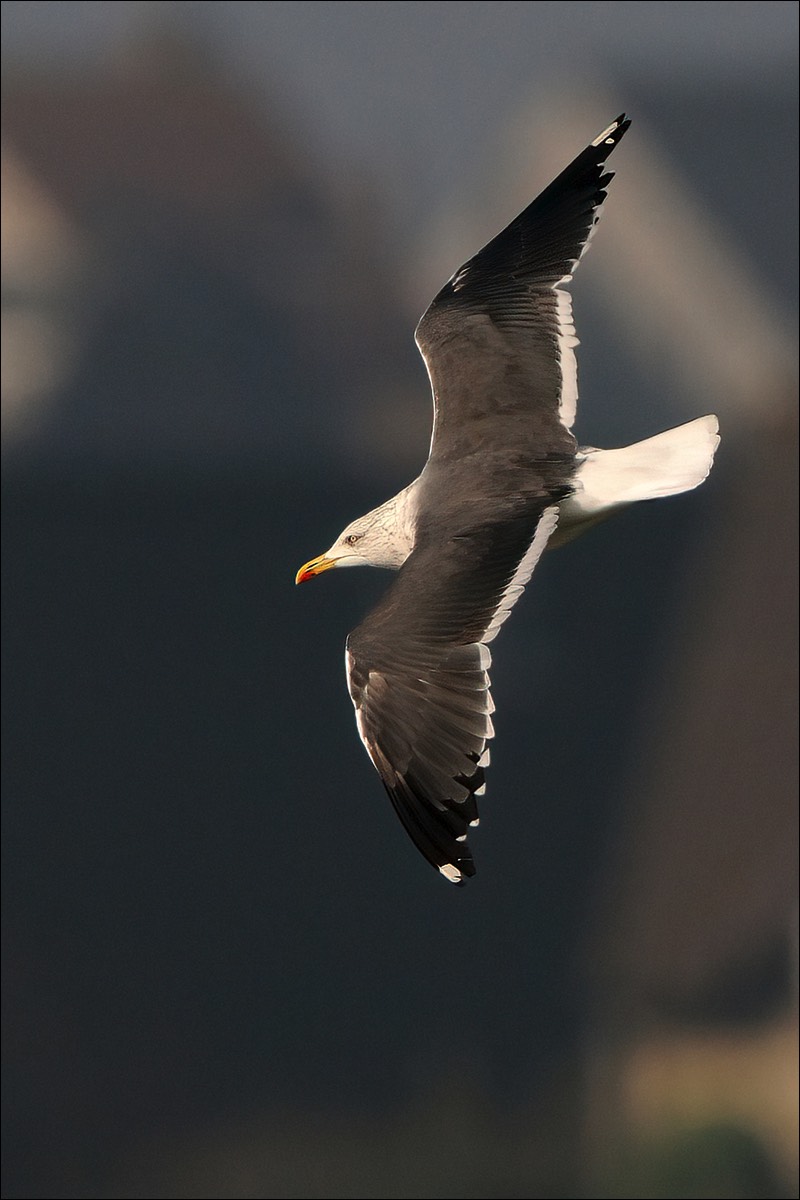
315,567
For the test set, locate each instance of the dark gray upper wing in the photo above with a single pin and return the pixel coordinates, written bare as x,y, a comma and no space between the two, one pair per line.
498,339
418,672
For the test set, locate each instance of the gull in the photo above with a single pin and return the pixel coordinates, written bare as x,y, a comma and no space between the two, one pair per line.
505,478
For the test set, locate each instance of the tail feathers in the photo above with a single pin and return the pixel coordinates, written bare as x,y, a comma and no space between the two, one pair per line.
665,465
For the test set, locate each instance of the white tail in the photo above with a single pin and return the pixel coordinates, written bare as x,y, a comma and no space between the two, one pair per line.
671,462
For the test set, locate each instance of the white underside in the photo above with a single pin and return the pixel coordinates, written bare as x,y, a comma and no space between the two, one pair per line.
665,465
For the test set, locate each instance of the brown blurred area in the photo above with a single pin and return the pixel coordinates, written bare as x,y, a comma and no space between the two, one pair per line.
224,975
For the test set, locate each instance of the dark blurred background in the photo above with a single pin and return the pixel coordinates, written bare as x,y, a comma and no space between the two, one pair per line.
228,972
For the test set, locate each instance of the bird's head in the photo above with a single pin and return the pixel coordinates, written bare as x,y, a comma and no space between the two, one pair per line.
351,549
381,538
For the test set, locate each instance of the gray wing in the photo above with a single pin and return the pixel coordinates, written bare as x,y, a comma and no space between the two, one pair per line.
498,343
418,673
498,340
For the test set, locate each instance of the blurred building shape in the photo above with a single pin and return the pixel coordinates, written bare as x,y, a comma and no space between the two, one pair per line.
43,255
222,274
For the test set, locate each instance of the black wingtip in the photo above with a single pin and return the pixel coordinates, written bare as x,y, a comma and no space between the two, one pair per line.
613,133
435,832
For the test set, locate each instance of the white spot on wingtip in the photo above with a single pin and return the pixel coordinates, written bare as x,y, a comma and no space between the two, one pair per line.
474,824
603,137
450,872
463,838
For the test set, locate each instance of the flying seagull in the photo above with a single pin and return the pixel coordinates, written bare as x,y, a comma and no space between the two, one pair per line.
504,478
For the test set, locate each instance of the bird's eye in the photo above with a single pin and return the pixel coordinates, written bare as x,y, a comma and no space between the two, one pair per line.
352,538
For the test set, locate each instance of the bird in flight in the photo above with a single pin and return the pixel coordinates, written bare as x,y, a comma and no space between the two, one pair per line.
504,478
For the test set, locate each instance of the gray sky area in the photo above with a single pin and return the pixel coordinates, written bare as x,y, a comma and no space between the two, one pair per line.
411,91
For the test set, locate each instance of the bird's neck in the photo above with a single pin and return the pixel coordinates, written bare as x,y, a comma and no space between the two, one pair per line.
397,518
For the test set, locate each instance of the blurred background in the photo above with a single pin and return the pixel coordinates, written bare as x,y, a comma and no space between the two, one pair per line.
228,972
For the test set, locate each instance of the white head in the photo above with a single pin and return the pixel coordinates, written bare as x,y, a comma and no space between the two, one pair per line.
381,538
